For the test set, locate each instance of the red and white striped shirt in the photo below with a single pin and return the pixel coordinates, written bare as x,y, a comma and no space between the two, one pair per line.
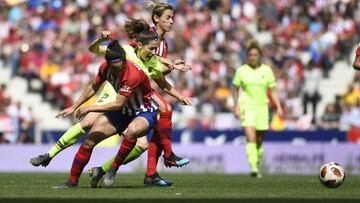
132,83
162,48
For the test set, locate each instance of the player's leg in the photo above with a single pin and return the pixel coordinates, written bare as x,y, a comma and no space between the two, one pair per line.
251,149
70,137
105,94
259,146
261,126
152,178
101,130
96,173
248,121
138,127
164,130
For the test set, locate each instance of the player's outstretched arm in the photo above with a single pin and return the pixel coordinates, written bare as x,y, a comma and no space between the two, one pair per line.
169,89
168,66
111,106
90,90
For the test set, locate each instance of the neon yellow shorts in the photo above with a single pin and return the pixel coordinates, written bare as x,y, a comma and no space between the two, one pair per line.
255,116
104,95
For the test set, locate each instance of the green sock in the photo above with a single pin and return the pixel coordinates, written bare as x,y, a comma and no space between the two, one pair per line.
260,151
71,136
135,153
106,166
252,155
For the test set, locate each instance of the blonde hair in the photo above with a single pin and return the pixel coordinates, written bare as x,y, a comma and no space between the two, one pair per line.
157,8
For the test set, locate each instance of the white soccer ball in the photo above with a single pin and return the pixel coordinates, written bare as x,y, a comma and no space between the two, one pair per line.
331,175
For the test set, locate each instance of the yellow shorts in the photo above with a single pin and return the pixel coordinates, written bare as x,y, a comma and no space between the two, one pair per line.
255,116
104,95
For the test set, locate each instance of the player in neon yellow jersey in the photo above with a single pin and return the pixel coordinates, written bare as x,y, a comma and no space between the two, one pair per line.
254,78
153,66
105,95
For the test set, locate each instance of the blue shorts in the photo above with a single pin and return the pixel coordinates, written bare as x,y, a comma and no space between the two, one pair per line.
121,121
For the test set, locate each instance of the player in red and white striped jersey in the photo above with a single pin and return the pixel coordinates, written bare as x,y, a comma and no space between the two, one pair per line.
162,16
140,99
134,108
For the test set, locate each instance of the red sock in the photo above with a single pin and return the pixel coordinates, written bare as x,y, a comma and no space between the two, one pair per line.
153,150
82,157
165,130
124,150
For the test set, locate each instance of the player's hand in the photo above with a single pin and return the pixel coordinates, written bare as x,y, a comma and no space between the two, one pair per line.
237,111
186,101
82,112
105,35
180,65
280,112
166,62
65,112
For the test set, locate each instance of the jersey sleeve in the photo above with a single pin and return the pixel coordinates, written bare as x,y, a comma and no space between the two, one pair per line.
237,78
271,78
358,51
100,77
155,68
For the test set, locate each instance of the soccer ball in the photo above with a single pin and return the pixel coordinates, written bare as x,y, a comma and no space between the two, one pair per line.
331,175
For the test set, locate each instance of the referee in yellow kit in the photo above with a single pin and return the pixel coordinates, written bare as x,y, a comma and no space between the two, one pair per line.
254,78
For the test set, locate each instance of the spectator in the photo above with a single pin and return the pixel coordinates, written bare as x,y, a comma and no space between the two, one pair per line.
311,94
330,119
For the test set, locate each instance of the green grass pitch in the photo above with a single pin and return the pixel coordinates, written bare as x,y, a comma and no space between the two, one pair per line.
37,187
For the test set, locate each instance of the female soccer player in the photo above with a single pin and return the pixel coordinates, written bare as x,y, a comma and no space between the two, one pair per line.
356,63
254,78
135,29
134,108
162,17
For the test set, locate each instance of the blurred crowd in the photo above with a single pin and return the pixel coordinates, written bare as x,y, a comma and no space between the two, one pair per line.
46,42
16,120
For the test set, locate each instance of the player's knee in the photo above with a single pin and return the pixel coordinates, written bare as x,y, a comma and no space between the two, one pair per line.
143,144
132,132
168,108
89,143
86,123
165,107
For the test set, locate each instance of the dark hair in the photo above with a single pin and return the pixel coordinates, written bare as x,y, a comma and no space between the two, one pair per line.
158,8
114,52
139,30
253,44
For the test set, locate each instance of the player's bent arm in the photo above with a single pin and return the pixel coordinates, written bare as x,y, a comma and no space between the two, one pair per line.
96,48
356,64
